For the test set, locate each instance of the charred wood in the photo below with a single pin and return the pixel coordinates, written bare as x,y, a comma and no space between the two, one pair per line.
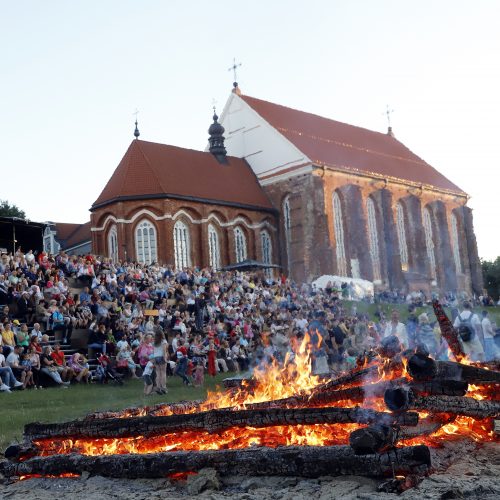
422,367
211,421
403,398
305,461
448,331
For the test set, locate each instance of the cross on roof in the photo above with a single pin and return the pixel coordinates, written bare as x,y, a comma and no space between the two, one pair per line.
388,113
234,67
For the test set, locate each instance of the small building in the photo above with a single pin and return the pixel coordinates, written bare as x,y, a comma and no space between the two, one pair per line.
74,239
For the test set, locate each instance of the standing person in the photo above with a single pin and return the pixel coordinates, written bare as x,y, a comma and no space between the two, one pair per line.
160,357
490,348
147,376
182,361
468,326
395,327
212,355
58,324
425,335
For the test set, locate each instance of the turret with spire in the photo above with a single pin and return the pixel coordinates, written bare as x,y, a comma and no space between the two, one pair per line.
216,140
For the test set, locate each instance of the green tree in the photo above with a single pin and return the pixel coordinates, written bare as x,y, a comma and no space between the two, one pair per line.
8,210
491,277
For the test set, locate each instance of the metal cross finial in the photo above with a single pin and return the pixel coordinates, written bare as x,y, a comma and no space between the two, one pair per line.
214,104
234,67
136,112
388,113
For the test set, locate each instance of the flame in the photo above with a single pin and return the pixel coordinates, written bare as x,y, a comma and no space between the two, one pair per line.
272,382
234,438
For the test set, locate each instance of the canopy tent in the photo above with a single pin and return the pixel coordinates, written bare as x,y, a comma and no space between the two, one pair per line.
249,265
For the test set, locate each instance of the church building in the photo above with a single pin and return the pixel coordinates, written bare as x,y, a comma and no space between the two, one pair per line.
283,186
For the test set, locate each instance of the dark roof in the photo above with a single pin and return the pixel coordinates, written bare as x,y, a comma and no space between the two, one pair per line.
336,144
71,235
159,170
65,230
81,235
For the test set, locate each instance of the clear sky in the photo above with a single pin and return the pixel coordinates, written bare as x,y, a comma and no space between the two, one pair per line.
73,72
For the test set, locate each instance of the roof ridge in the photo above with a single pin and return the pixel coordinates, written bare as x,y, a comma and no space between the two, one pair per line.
151,167
383,134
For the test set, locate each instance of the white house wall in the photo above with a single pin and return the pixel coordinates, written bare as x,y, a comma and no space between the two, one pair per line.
249,136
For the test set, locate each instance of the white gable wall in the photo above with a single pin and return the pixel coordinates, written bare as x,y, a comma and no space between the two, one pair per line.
249,136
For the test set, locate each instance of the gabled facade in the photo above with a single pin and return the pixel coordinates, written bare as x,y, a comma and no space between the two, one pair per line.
354,202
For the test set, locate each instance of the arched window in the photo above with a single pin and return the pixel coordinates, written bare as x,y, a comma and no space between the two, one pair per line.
454,243
373,238
267,251
240,244
401,226
113,244
338,227
287,222
145,242
181,245
213,247
429,242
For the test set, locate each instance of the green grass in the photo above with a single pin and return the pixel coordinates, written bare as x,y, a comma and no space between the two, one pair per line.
362,307
58,405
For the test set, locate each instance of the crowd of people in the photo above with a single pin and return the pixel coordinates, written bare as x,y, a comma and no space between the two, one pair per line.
152,321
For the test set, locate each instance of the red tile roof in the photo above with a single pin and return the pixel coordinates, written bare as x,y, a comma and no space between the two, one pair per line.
70,235
149,168
64,230
81,235
331,143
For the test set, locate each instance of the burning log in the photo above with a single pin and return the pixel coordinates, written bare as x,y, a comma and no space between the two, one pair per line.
305,461
403,398
439,388
161,408
422,367
211,421
448,331
376,438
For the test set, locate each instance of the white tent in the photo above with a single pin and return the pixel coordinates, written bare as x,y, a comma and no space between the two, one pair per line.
360,288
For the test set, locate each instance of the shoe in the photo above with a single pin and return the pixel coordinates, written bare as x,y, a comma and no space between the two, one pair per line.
64,386
35,387
5,388
17,384
66,383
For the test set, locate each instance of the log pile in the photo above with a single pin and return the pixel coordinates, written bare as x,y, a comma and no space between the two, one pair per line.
404,384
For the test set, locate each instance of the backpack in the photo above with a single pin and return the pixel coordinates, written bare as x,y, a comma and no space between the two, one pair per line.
465,328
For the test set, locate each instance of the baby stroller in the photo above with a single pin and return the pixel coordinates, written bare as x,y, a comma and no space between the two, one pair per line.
106,371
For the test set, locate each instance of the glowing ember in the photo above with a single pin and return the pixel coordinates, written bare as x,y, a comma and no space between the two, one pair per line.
235,438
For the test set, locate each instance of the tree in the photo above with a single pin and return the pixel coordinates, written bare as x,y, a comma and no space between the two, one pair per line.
8,210
491,277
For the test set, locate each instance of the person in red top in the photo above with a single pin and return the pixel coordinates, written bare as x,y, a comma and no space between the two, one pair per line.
60,363
212,356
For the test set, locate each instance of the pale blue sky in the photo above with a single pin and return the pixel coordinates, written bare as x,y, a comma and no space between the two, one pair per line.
73,72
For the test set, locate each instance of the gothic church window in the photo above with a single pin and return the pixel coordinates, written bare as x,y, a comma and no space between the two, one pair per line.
455,243
181,245
338,227
267,251
145,242
113,244
213,247
287,222
401,227
429,242
373,238
240,244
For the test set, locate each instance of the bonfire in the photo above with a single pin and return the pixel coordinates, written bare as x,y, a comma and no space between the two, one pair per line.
378,420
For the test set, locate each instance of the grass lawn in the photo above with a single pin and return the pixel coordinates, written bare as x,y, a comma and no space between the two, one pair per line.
363,307
58,405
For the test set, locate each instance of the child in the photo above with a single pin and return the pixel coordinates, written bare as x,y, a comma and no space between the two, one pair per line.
199,374
26,364
147,375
